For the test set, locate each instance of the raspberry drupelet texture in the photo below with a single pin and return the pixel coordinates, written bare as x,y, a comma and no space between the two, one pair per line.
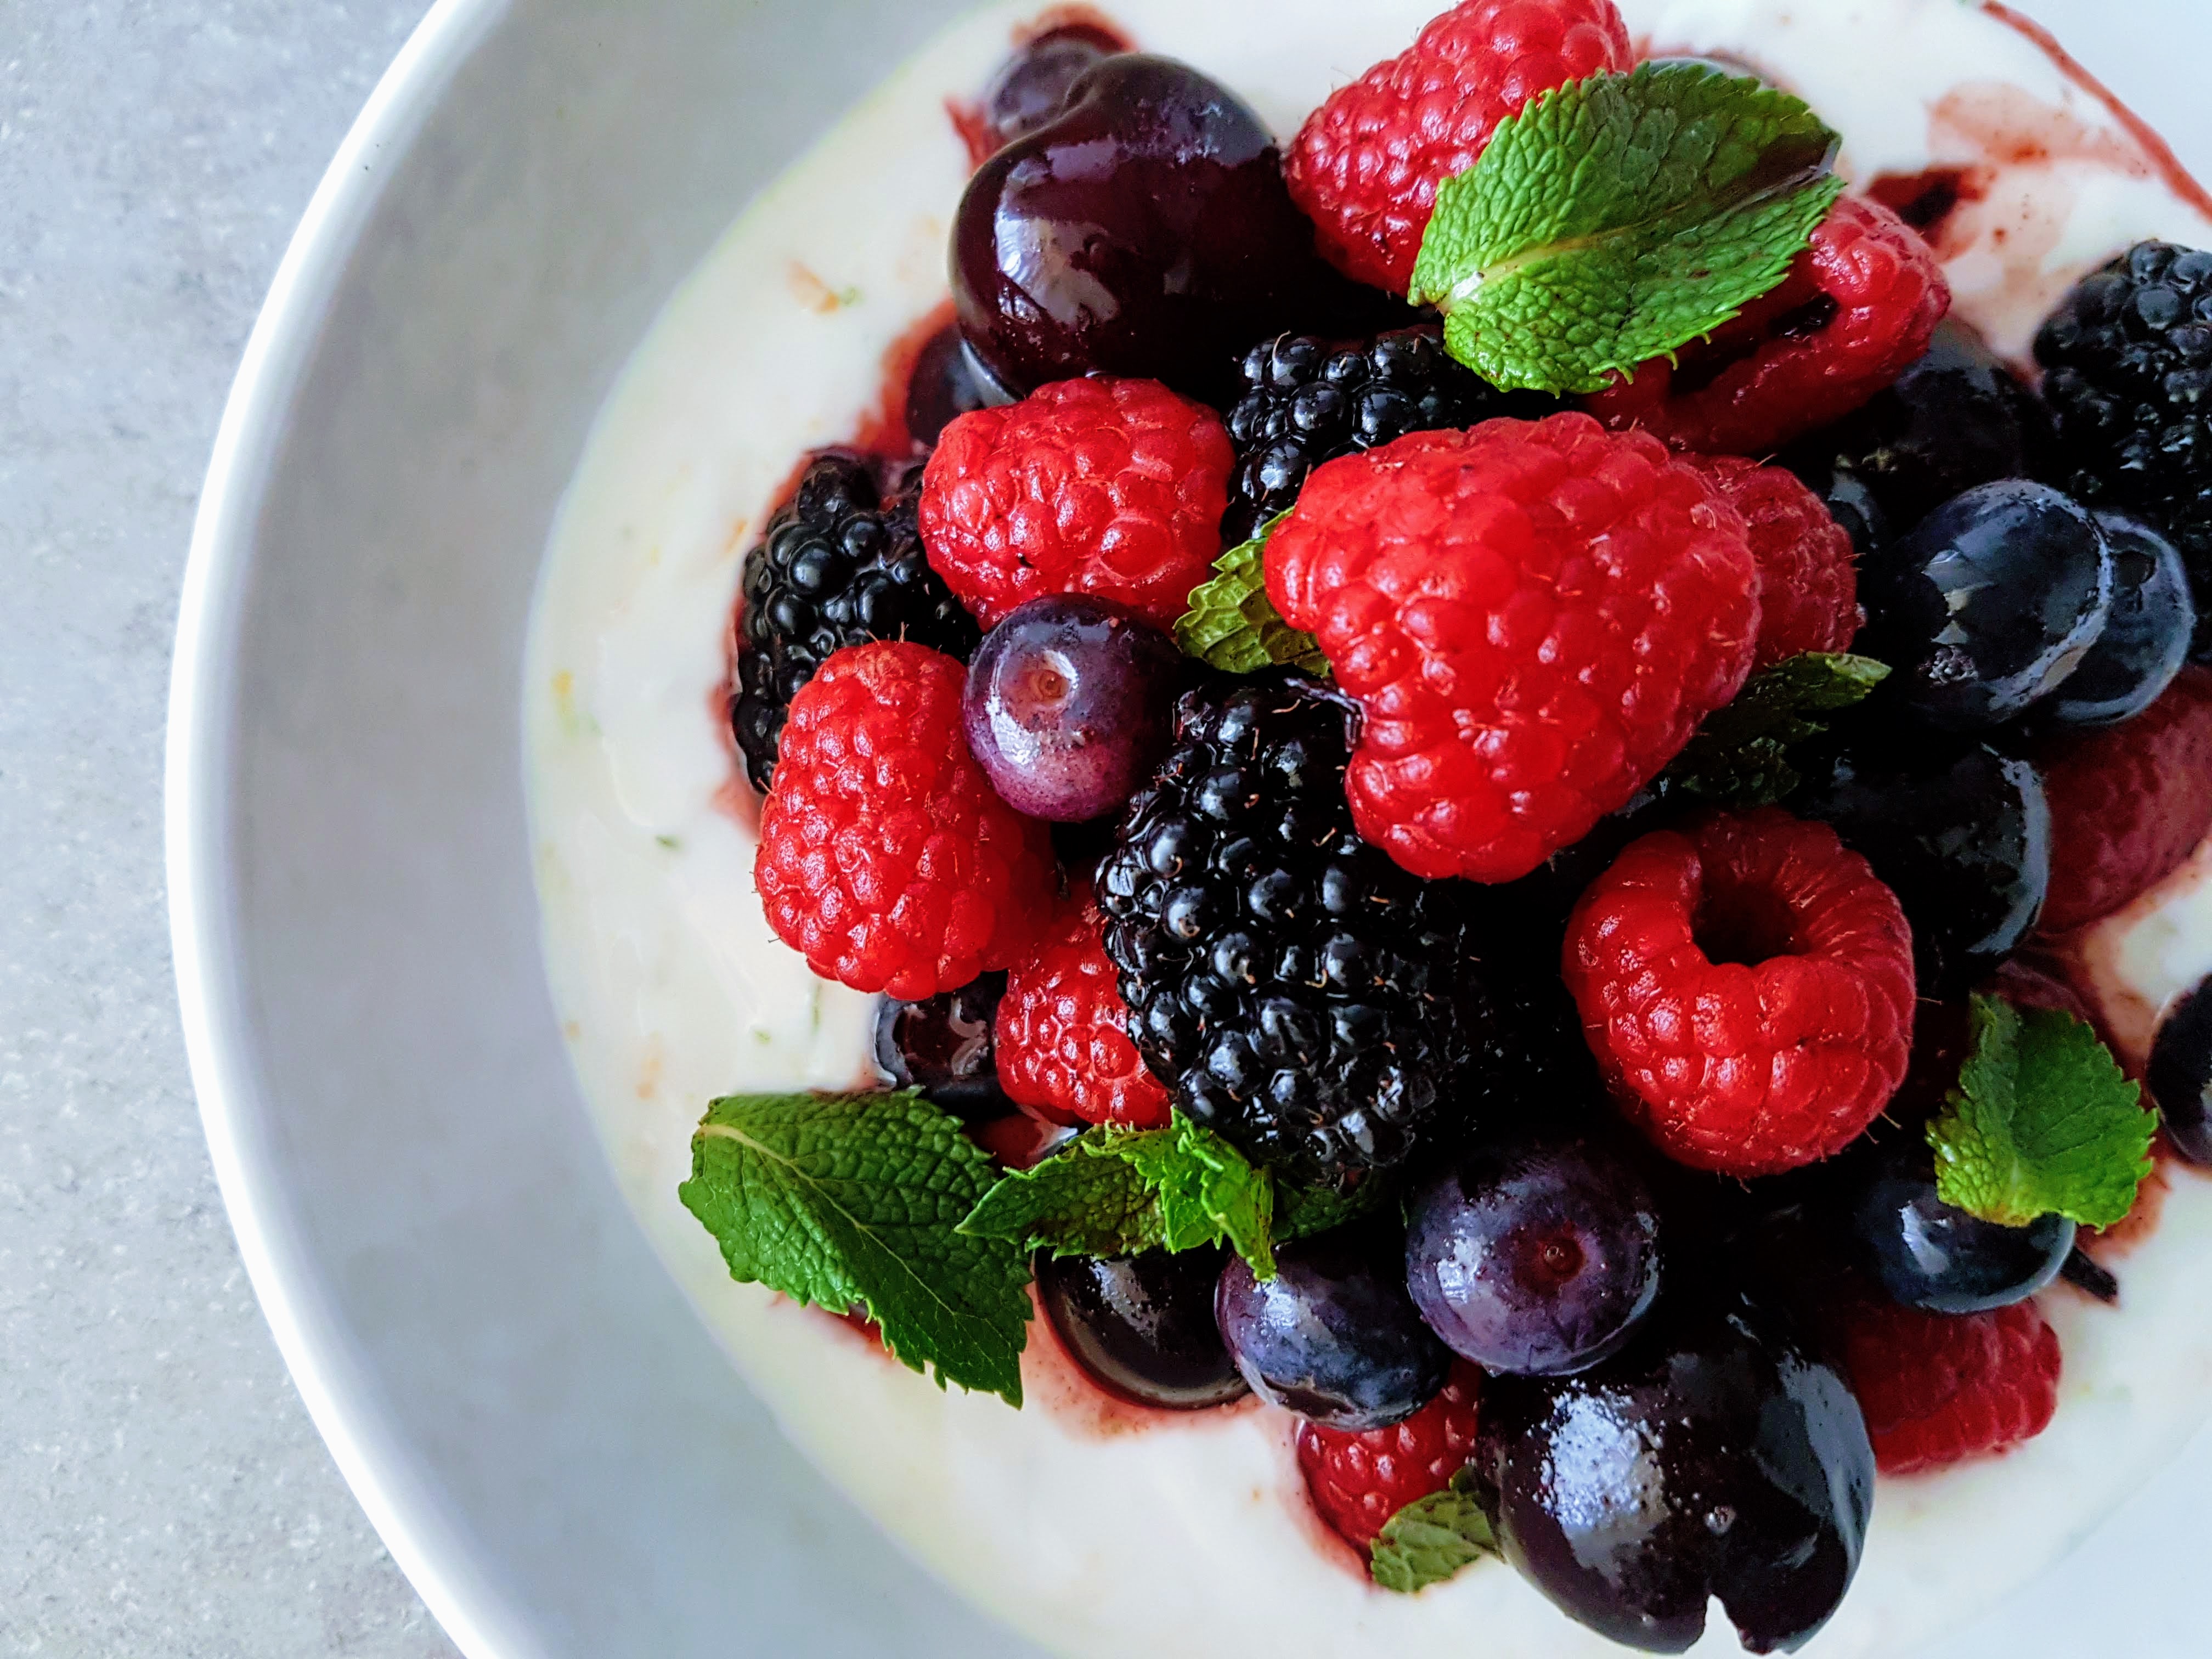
2128,803
1114,488
1357,1481
1533,617
1859,307
1064,1050
1747,985
1809,589
884,858
838,565
1366,165
1940,1388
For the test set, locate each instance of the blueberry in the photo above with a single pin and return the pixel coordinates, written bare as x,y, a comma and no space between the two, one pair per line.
1714,1456
1850,502
1537,1257
1143,1325
943,1047
1989,605
2145,641
1960,833
1070,700
1926,1253
2180,1074
1333,1336
944,385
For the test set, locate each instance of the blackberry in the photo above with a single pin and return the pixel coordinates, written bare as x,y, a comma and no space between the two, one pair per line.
2128,374
1306,401
838,565
1300,993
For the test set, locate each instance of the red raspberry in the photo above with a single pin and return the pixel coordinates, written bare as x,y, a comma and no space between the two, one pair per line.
884,858
1366,165
1860,305
1063,1036
2128,803
1808,584
1747,985
1359,1481
1534,617
1939,1388
1095,486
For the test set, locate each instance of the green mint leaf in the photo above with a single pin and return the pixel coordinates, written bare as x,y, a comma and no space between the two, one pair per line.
845,1200
1433,1539
1302,1212
1115,1192
1232,625
2042,1121
1618,218
1741,753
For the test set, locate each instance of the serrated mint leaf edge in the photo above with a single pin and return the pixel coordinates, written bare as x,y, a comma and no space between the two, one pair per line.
1432,1540
1230,624
1138,1227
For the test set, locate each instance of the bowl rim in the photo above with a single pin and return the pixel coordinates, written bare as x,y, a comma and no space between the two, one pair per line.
407,1512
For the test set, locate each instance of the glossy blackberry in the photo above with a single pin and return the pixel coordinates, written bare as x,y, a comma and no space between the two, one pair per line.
1305,401
1299,991
2128,374
838,565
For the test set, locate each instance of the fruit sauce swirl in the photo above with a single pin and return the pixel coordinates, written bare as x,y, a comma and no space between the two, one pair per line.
1144,1474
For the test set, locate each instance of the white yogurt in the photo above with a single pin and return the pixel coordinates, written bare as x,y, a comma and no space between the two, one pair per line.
1190,1537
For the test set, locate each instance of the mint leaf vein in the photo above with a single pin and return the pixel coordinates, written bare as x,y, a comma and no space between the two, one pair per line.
1433,1539
1232,625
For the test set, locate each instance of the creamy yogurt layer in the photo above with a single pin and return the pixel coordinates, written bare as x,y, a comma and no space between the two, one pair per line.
1098,1530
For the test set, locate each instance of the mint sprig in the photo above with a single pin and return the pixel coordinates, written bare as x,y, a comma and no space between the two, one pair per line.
1433,1539
1116,1192
1618,218
856,1200
1302,1212
1740,754
1232,625
2042,1121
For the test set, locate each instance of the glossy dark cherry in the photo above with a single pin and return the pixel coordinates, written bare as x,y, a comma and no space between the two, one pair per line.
2180,1075
1333,1336
1925,1254
944,1048
1537,1257
945,385
1143,1325
2146,639
1146,231
1032,87
1714,1456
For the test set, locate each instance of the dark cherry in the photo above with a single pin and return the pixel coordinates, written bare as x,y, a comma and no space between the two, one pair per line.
945,385
2146,639
1849,501
1032,87
1146,231
1714,1456
2180,1074
943,1047
1926,1253
1333,1336
1142,1326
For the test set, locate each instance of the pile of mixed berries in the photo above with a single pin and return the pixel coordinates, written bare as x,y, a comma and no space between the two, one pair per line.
1583,967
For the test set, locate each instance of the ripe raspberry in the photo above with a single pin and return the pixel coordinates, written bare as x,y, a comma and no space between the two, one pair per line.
1746,985
1809,587
2128,803
884,858
1063,1033
1860,305
1095,486
1357,1481
1366,165
1939,1388
1534,617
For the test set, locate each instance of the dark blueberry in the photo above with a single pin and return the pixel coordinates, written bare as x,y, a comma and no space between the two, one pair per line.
943,1047
1988,604
1956,418
1849,501
945,385
2180,1075
1143,231
1925,1254
1143,1325
1714,1456
2145,641
1537,1257
1333,1336
1959,832
1032,87
1070,701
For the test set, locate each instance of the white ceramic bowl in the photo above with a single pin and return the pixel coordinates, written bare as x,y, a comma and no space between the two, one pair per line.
537,1425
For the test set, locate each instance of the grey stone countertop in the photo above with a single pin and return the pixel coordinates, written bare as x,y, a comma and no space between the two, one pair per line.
161,1491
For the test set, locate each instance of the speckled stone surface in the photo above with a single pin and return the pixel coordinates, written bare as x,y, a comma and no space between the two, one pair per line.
162,1493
